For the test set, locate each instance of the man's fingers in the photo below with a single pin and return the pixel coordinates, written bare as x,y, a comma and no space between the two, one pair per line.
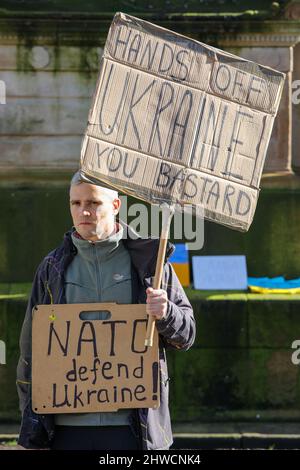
158,301
155,292
155,297
152,308
153,312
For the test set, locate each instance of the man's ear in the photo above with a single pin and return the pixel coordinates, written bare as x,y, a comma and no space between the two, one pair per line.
116,205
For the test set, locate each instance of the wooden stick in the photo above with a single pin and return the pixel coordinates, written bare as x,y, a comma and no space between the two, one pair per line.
167,214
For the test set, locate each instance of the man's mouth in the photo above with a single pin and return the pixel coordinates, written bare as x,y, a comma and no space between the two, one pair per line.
85,223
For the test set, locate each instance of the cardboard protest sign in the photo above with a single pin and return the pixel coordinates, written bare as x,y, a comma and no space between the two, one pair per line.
174,120
81,364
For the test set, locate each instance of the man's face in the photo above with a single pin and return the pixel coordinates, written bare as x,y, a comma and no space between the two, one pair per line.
93,211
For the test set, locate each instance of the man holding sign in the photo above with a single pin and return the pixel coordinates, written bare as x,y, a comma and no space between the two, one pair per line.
173,121
102,260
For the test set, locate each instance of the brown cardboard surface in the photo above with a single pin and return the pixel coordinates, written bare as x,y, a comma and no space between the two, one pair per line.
165,106
84,365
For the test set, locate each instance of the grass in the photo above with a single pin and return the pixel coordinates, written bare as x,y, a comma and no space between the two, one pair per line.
22,291
11,443
15,290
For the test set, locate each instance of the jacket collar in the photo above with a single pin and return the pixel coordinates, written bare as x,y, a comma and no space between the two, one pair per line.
104,248
143,251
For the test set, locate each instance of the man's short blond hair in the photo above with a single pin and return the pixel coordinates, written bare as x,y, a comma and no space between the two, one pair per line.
79,178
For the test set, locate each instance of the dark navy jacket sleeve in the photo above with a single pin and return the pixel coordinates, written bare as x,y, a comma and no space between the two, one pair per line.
24,364
177,329
32,433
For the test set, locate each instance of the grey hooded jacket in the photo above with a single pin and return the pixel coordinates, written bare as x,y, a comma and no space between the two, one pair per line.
176,331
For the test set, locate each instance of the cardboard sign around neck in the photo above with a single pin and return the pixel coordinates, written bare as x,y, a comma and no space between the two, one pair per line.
81,364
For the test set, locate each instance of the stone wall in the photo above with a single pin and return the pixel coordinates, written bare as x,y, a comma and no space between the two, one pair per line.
49,65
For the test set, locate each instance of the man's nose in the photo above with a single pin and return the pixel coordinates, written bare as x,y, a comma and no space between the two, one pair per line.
86,212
